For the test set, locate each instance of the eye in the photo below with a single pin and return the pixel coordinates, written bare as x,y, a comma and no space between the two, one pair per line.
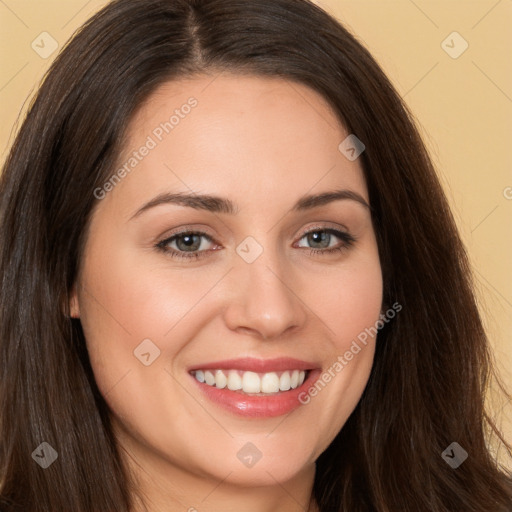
321,239
188,244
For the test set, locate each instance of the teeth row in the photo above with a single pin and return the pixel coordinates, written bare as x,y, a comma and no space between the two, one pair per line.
251,382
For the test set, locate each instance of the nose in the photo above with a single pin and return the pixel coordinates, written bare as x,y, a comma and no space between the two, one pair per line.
264,300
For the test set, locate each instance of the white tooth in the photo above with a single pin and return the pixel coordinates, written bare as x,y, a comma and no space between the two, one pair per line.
220,379
234,380
270,383
294,381
209,378
284,381
251,382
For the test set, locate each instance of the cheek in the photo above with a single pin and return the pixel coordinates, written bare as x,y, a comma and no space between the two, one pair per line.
354,305
349,304
348,299
129,300
119,308
125,301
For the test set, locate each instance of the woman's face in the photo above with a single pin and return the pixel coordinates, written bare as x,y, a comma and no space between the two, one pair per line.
277,284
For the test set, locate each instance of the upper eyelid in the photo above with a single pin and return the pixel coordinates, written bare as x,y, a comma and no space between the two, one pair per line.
319,226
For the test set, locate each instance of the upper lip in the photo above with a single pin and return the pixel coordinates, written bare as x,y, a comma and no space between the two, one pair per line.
257,365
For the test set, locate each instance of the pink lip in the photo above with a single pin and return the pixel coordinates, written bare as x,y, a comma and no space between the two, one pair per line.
251,364
254,406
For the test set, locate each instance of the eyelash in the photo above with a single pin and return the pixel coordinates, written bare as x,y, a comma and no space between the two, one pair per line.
347,241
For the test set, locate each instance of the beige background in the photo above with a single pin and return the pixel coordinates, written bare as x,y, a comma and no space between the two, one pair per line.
463,106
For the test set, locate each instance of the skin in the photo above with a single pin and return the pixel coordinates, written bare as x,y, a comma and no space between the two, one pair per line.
263,143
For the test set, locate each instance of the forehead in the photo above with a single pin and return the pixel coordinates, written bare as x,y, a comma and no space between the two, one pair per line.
258,137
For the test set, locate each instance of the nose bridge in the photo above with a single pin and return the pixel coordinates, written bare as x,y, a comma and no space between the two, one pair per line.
263,300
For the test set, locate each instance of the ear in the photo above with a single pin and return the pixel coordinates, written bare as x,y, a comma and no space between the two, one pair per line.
74,308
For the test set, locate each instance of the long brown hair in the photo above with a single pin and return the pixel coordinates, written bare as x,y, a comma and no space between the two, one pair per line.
432,362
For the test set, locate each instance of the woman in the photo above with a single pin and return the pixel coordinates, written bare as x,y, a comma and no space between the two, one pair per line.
231,280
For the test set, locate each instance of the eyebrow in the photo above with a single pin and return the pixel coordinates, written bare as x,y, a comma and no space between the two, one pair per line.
216,204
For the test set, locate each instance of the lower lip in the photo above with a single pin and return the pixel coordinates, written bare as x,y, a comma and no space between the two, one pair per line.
258,406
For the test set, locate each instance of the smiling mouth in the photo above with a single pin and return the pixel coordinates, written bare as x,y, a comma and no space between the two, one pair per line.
252,383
